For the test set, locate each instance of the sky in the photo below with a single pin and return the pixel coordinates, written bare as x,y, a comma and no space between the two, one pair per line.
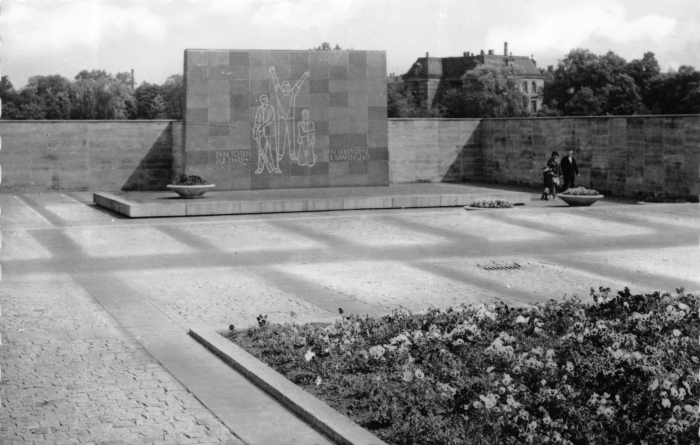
43,37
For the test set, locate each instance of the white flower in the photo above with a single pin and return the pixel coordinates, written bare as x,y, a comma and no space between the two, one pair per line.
407,376
522,319
666,403
420,374
318,380
377,351
309,355
683,306
569,366
489,400
506,379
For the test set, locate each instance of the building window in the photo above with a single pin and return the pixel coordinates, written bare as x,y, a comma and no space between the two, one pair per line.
534,106
534,87
525,87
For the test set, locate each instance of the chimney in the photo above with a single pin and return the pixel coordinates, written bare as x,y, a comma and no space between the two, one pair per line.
550,68
132,79
427,55
465,54
482,52
490,52
505,49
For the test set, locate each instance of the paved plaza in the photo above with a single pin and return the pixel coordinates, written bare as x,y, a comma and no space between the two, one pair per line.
96,306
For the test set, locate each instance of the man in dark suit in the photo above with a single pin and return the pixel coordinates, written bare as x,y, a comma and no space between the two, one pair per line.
569,169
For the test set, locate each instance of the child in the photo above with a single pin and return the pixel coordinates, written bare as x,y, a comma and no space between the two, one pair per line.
550,175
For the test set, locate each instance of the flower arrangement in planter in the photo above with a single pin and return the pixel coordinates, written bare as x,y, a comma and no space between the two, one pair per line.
190,186
621,369
580,196
489,203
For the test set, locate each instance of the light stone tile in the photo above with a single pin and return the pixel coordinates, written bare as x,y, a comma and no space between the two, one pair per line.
124,241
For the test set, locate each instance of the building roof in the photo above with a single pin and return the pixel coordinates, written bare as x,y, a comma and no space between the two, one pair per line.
455,67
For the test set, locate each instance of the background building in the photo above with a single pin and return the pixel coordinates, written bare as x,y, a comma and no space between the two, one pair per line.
430,77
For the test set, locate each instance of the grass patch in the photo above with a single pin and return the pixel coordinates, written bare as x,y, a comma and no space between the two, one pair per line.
623,370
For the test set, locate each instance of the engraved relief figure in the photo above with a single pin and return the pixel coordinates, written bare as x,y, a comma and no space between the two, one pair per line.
286,99
306,137
264,135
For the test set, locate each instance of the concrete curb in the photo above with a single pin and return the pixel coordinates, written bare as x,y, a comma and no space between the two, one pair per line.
317,413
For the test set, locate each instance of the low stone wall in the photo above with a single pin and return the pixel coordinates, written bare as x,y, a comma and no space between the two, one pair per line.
616,155
41,156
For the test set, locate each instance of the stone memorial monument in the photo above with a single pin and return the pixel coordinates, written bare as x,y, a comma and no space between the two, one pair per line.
258,119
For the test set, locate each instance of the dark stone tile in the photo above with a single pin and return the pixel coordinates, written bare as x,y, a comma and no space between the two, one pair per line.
259,58
338,141
197,143
296,71
227,72
357,140
218,129
260,181
318,86
319,72
301,58
299,170
321,127
320,100
197,116
359,101
376,72
338,100
358,58
338,72
241,58
358,167
319,169
357,72
239,102
378,154
279,57
197,73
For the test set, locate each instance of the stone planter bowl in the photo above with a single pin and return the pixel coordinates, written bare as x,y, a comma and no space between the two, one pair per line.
579,200
190,191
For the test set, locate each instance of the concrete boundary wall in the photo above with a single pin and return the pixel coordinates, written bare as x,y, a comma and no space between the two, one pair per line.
617,155
42,156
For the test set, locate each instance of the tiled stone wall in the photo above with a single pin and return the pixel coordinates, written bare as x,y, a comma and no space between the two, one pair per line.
618,155
43,156
286,119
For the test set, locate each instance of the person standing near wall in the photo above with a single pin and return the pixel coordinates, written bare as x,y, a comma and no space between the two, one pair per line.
550,175
569,170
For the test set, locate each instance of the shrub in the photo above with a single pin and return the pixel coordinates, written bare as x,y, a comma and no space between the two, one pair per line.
621,370
492,203
580,191
660,197
189,180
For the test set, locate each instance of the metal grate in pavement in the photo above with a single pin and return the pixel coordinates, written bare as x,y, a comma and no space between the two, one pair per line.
493,266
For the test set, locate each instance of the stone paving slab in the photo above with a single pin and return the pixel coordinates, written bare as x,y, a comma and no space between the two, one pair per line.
395,196
121,291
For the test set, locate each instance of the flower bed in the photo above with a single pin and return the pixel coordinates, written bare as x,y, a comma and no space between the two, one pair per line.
622,370
189,180
488,203
580,191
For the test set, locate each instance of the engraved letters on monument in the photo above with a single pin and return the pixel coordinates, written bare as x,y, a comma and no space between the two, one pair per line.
286,119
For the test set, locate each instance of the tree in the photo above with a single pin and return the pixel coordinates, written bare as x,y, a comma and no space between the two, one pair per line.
401,103
486,92
325,46
586,84
173,93
675,93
